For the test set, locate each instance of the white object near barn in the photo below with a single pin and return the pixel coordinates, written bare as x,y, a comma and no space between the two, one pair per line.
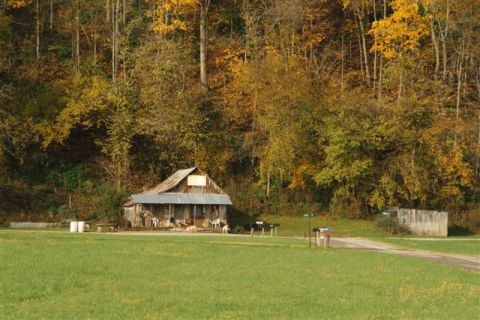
73,226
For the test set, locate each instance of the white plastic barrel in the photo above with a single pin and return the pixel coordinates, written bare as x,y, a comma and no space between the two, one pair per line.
73,226
81,226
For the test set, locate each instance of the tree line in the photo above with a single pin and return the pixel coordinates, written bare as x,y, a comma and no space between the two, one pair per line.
354,104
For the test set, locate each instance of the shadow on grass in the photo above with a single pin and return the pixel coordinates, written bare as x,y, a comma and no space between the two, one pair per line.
459,231
240,220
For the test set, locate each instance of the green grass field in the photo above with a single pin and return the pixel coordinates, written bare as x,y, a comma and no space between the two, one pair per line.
456,245
297,225
59,276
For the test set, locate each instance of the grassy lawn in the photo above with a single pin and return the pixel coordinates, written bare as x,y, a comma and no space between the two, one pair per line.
297,225
458,245
58,276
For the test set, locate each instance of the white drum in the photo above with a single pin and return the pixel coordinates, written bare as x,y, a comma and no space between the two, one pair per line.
73,226
81,226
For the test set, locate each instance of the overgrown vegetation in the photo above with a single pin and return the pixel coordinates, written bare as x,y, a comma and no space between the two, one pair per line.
391,225
349,105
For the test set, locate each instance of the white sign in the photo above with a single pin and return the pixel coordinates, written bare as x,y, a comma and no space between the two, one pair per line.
197,181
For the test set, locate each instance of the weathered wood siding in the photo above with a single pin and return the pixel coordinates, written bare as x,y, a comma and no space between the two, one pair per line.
211,187
424,222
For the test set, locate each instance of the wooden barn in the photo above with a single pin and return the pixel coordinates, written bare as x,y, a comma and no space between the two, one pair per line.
188,197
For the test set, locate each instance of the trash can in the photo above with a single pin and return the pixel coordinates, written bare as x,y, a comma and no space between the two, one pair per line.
81,226
73,226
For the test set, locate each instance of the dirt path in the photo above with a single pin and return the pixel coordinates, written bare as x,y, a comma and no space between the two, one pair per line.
469,262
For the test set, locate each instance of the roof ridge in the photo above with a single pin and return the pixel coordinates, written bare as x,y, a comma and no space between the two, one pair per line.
171,182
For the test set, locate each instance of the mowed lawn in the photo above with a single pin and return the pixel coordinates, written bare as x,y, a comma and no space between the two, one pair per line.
298,225
469,246
63,276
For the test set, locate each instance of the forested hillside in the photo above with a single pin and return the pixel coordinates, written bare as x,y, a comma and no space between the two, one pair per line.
351,105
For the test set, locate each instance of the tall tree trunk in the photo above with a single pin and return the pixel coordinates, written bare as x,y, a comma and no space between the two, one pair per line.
51,14
124,10
95,38
457,102
360,51
400,86
437,64
37,30
343,64
443,38
114,40
107,10
117,33
444,57
364,47
203,44
375,53
268,184
380,71
77,37
436,50
478,149
412,160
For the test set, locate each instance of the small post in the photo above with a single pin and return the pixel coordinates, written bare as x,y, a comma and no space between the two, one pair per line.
309,216
271,231
317,239
260,224
194,213
251,232
309,232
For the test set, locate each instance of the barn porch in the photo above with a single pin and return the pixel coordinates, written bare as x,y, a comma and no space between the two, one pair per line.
177,215
187,198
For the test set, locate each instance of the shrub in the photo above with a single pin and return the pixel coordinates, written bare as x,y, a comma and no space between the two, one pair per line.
391,225
345,206
236,229
465,222
109,201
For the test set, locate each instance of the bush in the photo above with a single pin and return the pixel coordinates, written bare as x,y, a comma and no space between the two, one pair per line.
465,222
345,206
109,201
236,229
391,225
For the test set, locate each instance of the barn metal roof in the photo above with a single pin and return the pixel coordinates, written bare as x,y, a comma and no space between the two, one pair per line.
182,198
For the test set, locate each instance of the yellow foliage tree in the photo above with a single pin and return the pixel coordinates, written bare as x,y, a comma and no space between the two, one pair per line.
18,3
170,15
402,31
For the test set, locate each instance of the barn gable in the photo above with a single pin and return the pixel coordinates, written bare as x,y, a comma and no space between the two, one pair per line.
178,182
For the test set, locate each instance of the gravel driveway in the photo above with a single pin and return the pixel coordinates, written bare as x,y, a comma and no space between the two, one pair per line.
469,262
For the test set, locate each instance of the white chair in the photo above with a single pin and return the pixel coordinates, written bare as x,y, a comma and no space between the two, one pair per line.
215,223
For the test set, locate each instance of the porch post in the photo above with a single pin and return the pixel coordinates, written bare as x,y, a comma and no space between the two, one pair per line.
194,213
